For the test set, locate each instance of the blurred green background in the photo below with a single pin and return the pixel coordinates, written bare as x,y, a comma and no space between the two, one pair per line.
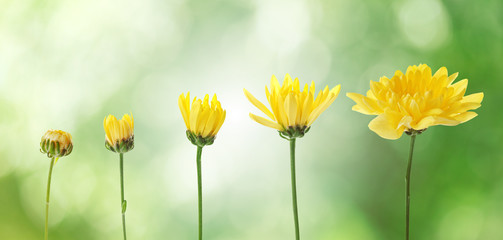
67,64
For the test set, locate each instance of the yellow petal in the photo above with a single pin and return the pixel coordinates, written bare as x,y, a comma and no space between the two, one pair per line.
434,111
321,108
405,121
129,121
467,106
424,123
291,109
361,105
287,81
307,109
475,98
296,85
266,122
460,87
451,78
274,84
132,121
202,119
446,121
183,110
336,90
466,116
212,121
258,104
220,122
280,108
414,109
194,114
385,128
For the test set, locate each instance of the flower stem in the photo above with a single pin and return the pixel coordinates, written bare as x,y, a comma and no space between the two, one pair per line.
200,191
47,200
294,189
407,183
123,202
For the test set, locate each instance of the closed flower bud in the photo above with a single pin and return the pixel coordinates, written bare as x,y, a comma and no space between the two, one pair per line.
56,143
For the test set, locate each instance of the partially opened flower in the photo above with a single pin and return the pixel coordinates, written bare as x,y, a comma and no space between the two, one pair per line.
55,144
119,134
293,110
415,101
203,119
119,138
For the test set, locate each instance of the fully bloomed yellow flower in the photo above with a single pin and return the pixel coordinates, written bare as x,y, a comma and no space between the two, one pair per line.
416,100
292,110
119,134
56,143
203,119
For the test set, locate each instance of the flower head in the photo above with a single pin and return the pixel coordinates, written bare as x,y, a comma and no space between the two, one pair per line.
292,110
203,119
56,143
416,100
119,134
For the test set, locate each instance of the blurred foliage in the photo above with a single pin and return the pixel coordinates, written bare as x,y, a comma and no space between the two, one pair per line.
67,64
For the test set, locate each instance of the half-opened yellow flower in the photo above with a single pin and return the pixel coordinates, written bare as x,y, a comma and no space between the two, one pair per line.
416,100
203,119
119,134
292,110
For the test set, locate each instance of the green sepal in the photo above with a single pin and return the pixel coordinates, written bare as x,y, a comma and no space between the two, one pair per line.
414,132
42,145
294,132
57,149
198,140
107,146
53,149
68,150
52,146
122,146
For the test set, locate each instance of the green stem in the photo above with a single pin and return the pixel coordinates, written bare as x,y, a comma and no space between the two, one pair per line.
47,200
294,189
123,202
407,183
200,191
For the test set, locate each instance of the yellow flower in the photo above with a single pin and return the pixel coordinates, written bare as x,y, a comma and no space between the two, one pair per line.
203,119
119,134
416,100
292,110
56,143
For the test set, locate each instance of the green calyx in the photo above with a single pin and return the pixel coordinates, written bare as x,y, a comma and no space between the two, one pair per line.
122,146
198,140
53,148
414,132
294,132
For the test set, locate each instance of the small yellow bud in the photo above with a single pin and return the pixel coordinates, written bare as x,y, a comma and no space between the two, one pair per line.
119,134
56,143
